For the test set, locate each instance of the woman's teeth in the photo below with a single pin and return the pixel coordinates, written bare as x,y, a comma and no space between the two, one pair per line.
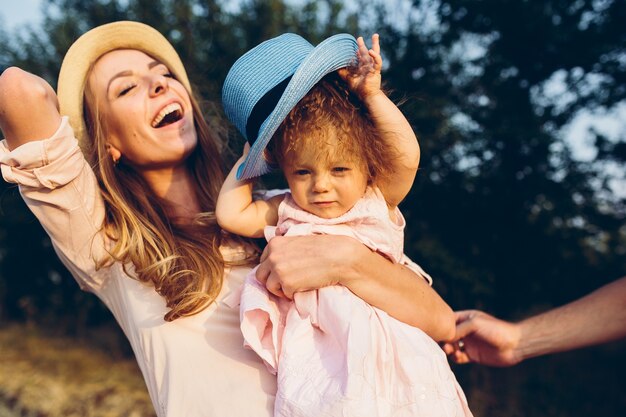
173,109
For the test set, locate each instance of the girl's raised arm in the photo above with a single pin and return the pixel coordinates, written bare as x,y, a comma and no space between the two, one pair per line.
393,127
238,213
29,109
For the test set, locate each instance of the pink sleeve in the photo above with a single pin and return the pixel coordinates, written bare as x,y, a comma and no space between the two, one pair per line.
60,188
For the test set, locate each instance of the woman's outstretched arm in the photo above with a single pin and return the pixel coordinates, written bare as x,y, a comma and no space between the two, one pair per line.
292,264
29,109
41,155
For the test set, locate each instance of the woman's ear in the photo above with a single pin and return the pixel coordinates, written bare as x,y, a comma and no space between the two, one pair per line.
114,153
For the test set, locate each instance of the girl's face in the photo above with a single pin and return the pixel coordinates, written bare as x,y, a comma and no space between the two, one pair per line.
146,113
326,182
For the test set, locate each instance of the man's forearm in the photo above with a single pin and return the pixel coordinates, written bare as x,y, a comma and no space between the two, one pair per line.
596,318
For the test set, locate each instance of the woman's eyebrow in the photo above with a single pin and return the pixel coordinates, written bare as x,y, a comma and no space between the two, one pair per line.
121,74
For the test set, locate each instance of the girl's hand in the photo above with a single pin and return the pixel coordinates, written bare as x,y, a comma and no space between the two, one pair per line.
365,79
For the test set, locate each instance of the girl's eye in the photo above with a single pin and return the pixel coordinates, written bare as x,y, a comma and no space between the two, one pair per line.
301,172
341,169
126,90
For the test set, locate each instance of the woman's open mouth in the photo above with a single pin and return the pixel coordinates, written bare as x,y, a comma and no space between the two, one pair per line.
169,114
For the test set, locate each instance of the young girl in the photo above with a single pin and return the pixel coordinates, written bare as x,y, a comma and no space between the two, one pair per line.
349,157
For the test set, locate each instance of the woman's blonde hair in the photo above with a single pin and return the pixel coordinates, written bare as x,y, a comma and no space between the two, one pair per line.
183,262
332,105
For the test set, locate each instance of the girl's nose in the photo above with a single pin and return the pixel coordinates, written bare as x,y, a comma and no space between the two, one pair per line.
159,85
321,183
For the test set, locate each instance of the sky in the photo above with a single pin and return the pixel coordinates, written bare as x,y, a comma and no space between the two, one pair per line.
18,12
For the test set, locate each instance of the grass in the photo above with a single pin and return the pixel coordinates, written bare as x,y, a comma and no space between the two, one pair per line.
46,376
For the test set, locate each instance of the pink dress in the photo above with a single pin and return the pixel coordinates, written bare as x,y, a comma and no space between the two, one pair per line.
336,355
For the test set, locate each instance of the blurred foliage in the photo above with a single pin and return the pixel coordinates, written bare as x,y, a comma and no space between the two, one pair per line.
501,214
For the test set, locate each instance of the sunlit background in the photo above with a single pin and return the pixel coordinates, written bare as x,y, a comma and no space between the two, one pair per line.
519,204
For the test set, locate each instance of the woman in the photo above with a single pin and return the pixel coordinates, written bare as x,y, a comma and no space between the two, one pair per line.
134,221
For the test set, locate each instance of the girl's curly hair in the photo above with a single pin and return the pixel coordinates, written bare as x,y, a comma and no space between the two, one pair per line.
331,118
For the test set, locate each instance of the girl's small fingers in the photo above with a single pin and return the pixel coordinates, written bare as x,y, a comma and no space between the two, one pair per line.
363,51
376,43
378,60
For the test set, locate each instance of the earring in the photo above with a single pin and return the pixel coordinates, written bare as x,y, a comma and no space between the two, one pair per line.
115,161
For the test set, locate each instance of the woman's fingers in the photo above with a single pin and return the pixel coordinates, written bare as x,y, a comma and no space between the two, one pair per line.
263,271
267,275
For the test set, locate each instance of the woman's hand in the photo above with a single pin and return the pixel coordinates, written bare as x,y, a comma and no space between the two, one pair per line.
29,108
292,264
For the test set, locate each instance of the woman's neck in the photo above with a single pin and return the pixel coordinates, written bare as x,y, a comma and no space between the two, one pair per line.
177,188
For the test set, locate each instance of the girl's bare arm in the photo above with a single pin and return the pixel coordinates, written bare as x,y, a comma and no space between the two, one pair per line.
393,127
238,213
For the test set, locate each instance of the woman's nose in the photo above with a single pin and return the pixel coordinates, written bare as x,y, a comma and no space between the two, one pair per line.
159,85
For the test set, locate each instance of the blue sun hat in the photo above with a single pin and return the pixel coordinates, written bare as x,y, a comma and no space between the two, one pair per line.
268,81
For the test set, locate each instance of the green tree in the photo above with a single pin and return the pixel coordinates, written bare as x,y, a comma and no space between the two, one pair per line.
500,209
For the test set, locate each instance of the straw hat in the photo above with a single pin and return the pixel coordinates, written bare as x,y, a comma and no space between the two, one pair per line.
92,45
268,81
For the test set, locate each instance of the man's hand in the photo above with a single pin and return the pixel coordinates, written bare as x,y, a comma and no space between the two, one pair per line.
484,339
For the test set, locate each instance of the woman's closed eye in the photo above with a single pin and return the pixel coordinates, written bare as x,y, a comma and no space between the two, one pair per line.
125,90
128,87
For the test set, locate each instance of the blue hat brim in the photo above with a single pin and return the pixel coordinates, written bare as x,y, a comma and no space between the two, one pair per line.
336,52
